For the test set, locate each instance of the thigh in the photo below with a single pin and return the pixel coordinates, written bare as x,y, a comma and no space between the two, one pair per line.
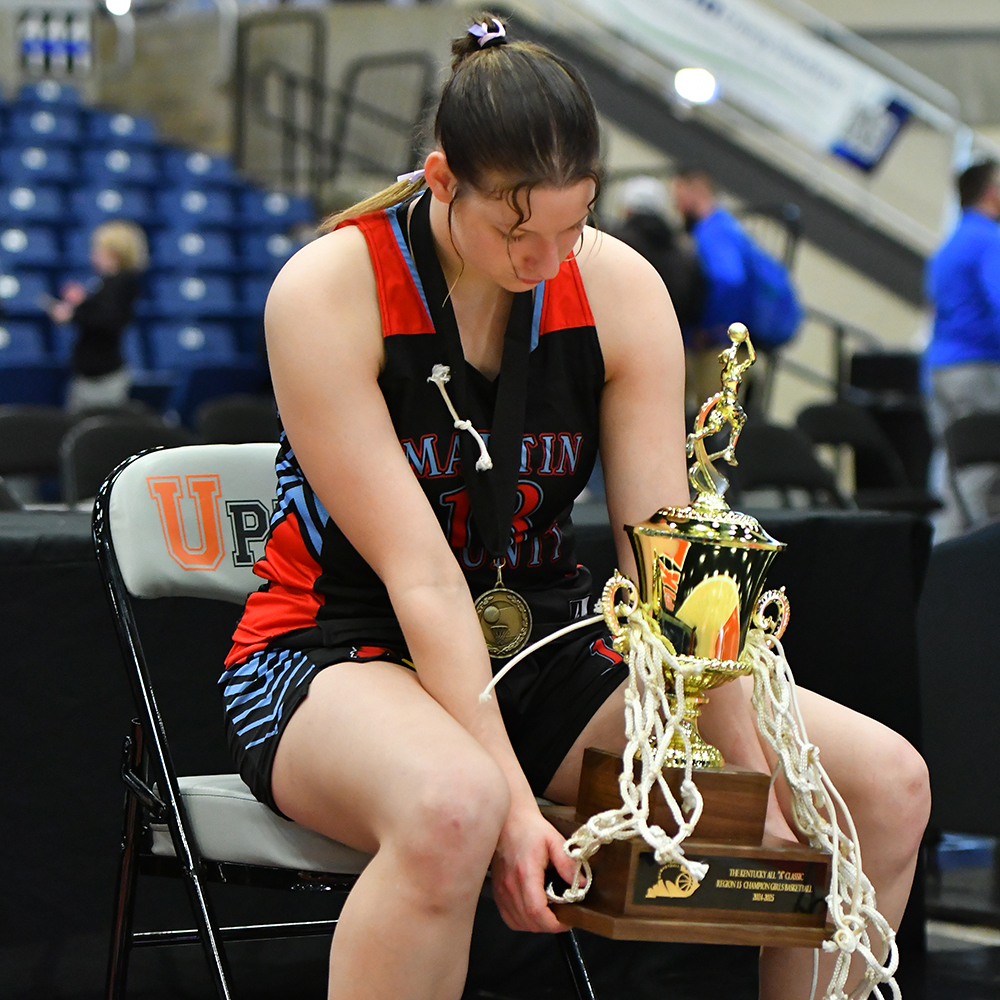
605,730
362,746
874,768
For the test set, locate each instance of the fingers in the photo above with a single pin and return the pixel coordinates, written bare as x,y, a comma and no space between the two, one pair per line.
519,887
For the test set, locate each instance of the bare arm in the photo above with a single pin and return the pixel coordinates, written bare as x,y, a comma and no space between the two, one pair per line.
324,344
642,410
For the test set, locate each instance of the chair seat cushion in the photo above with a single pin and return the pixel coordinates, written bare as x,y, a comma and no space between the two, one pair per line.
229,824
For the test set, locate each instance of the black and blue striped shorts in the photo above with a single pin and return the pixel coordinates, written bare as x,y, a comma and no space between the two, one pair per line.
546,700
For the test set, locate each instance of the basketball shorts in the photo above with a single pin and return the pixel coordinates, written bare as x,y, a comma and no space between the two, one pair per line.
546,700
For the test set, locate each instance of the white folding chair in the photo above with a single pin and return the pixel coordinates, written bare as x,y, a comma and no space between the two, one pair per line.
191,521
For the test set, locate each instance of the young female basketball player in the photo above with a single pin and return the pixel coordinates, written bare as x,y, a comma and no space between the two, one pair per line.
407,532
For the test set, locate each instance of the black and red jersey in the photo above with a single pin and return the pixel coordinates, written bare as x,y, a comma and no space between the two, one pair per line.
319,591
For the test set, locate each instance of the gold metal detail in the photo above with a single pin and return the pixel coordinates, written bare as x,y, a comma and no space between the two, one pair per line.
614,612
701,568
680,887
774,628
505,619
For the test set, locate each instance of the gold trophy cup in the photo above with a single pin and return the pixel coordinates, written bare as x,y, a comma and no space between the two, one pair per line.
701,571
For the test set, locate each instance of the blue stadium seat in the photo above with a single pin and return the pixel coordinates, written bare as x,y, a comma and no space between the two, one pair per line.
114,166
21,343
194,169
195,207
274,210
34,164
43,384
44,126
49,92
265,251
191,250
192,295
191,345
27,203
197,385
253,293
20,292
94,205
107,129
32,246
76,248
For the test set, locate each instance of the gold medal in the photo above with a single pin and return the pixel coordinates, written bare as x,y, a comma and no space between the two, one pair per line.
505,619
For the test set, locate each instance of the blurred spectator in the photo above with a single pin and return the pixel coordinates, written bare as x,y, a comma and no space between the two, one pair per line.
744,284
645,228
963,285
118,254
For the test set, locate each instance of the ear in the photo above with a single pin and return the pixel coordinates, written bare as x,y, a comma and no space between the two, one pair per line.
439,178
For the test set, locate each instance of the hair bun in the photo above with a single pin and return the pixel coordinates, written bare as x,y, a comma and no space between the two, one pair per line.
486,32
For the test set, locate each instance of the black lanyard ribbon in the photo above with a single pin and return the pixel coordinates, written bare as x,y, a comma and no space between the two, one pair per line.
492,494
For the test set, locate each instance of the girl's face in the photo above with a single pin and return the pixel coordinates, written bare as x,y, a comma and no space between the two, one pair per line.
488,238
103,260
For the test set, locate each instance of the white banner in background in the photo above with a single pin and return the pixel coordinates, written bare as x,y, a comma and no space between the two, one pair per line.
769,66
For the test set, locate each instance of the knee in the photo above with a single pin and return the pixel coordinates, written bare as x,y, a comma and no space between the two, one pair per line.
898,799
449,831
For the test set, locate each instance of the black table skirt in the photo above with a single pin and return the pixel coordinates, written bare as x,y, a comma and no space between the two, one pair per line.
852,579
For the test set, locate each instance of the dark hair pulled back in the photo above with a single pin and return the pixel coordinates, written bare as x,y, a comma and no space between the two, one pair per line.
512,116
974,181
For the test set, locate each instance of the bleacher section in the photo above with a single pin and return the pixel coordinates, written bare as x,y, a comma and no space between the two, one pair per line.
216,242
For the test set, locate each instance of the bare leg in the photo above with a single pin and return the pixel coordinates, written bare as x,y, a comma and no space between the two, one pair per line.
606,730
369,758
883,781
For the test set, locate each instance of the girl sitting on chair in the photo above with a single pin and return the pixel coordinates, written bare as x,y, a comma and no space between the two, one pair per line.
447,362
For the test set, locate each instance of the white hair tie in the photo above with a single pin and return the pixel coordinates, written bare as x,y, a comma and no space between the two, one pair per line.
496,35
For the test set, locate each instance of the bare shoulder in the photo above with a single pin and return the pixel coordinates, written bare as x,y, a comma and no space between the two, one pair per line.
629,301
330,272
323,329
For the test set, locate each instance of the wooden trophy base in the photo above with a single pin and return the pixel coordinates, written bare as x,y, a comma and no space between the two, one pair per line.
757,891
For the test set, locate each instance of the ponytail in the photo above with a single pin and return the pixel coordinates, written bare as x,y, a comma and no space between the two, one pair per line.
386,198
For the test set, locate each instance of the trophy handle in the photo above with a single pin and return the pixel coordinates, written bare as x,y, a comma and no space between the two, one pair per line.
613,613
774,628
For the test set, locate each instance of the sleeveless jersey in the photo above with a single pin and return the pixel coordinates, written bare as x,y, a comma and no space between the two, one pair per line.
320,592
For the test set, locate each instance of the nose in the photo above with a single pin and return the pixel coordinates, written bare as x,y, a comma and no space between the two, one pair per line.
544,262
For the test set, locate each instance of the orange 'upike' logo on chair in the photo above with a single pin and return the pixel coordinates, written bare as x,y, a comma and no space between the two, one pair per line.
203,489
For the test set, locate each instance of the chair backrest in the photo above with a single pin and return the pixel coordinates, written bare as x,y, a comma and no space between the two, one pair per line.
190,521
236,419
30,438
782,458
973,439
877,463
92,449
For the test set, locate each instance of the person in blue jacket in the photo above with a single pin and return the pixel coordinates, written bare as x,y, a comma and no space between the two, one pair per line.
744,284
963,357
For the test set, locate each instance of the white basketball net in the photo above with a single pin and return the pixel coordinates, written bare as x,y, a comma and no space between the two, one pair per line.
650,724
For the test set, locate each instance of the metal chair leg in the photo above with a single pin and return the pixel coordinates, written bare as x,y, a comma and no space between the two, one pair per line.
128,873
208,931
577,968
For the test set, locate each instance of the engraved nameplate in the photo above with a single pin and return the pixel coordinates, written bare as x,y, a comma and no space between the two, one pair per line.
732,884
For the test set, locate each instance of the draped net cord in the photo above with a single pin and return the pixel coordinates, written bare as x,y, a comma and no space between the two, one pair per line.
851,901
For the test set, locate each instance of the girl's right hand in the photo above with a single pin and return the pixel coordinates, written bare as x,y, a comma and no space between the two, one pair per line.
528,844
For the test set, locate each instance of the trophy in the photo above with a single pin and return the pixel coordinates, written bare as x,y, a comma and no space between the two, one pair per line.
701,571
